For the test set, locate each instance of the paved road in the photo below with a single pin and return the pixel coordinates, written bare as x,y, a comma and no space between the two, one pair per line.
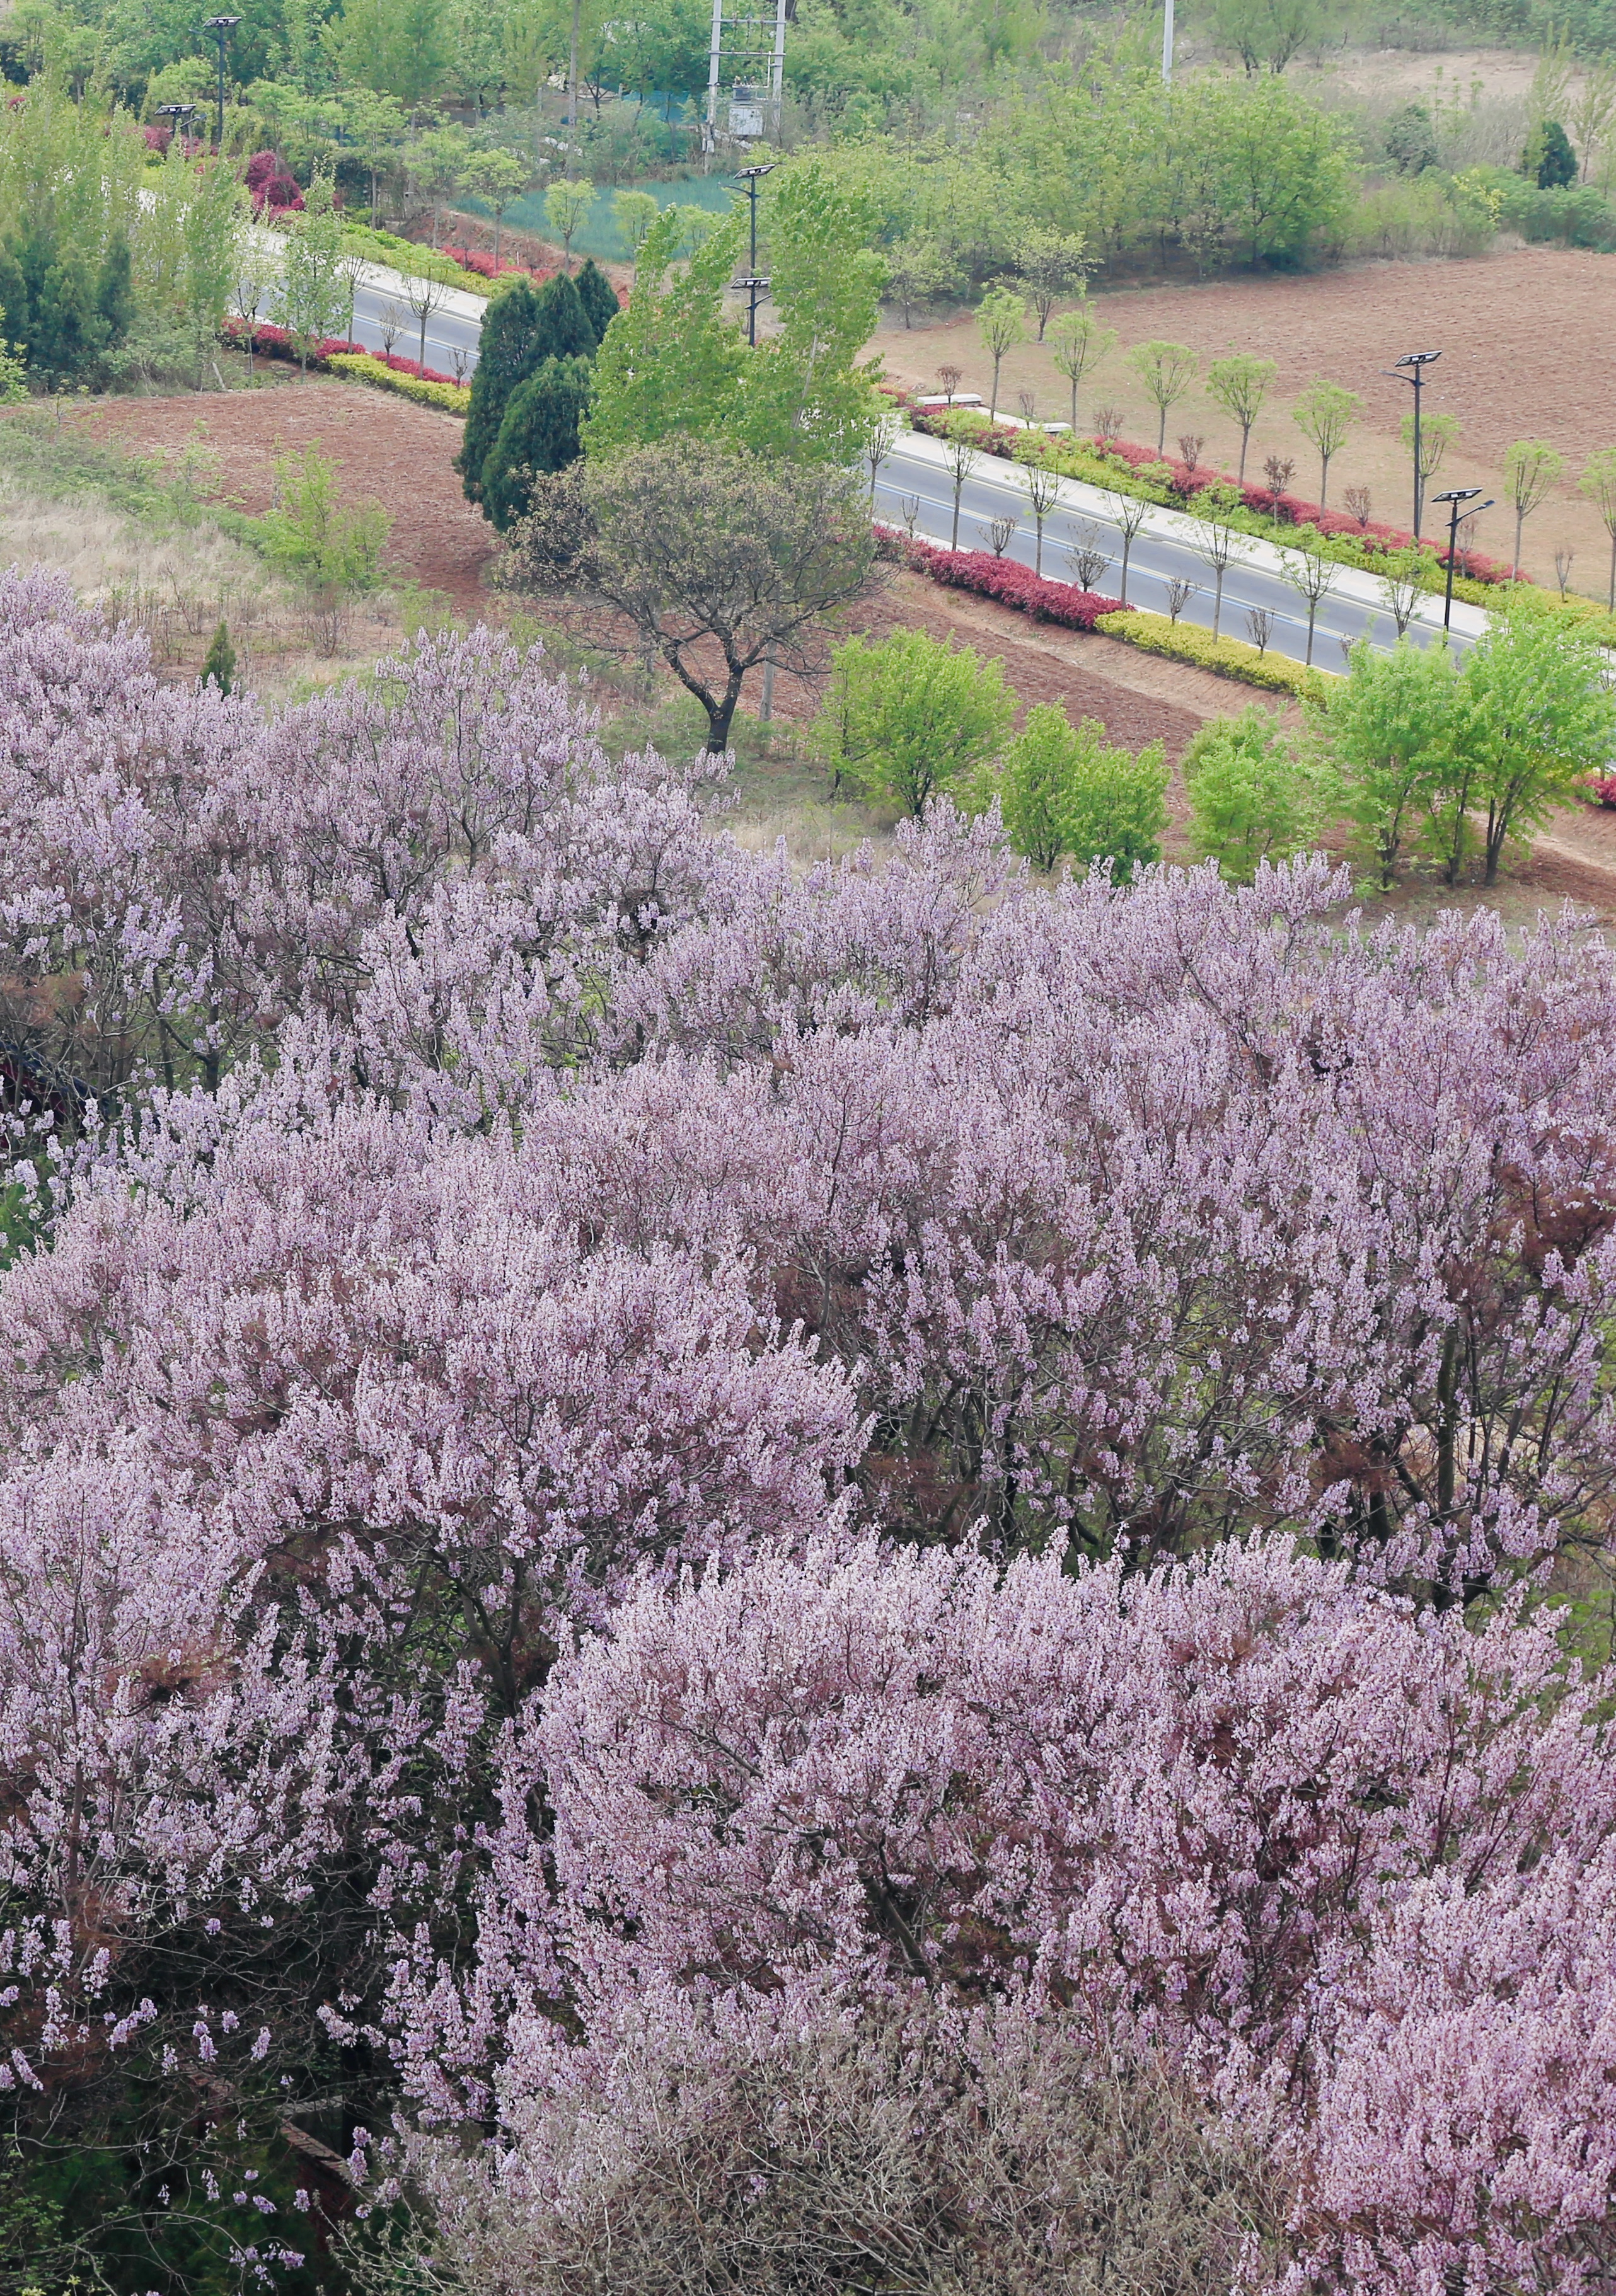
1166,546
1164,549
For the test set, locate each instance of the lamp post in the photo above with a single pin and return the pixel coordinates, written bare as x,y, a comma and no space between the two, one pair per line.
221,27
749,176
754,289
176,114
1454,498
1416,361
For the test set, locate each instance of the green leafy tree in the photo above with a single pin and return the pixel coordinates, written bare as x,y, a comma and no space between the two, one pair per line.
1438,433
1534,717
1077,344
1532,470
716,559
1549,160
1252,797
1167,371
1323,414
567,207
1389,728
1598,483
921,271
597,295
1066,792
497,178
912,717
634,213
401,48
539,433
314,297
1001,321
1053,263
66,311
1239,384
674,364
1265,34
333,549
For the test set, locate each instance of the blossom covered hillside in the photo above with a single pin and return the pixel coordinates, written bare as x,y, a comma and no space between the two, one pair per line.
643,1490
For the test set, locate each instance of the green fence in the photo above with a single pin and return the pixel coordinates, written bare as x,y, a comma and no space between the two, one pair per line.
599,235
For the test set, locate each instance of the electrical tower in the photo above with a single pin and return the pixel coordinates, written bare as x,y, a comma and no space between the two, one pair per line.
746,76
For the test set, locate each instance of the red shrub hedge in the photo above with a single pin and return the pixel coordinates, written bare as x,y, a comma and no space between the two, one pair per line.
274,342
1290,510
1003,578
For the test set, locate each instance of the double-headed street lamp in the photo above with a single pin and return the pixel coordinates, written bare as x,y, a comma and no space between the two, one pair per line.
750,177
1454,498
176,115
221,27
754,289
1416,361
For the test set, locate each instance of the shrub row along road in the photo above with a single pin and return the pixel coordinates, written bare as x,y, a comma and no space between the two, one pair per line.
1165,548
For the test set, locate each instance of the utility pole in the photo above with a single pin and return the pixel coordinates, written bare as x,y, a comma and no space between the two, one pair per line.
754,289
1167,45
572,95
749,177
221,27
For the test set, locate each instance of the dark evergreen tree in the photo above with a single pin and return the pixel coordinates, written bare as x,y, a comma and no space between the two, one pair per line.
63,311
1550,159
219,668
524,327
539,433
598,296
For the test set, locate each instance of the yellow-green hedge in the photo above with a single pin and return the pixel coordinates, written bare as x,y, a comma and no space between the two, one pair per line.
452,396
1226,656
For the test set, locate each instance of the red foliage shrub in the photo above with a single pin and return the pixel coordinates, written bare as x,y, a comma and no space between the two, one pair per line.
1002,579
1600,789
274,342
1287,509
271,183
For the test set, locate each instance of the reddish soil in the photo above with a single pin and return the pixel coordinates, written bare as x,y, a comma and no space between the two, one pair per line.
383,447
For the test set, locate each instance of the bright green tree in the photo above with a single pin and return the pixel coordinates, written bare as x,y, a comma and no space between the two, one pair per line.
566,206
1167,371
1252,798
1239,384
1053,263
540,432
314,299
1001,321
672,365
803,393
909,718
1533,469
1077,343
332,548
1389,728
402,48
1066,792
1323,414
634,213
1534,717
1598,483
497,178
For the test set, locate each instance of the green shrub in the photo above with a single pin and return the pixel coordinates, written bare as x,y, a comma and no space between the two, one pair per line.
1251,797
1066,793
525,327
908,719
1226,656
360,367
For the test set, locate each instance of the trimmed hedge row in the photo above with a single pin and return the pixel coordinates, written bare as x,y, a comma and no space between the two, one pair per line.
425,389
1130,468
1004,579
1225,657
337,355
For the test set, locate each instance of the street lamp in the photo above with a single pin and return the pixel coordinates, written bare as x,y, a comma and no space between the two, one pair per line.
754,289
749,176
221,27
176,114
1454,496
1418,361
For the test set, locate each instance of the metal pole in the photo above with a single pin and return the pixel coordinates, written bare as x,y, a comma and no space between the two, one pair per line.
219,139
710,135
1419,473
1452,548
1167,45
573,97
752,201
